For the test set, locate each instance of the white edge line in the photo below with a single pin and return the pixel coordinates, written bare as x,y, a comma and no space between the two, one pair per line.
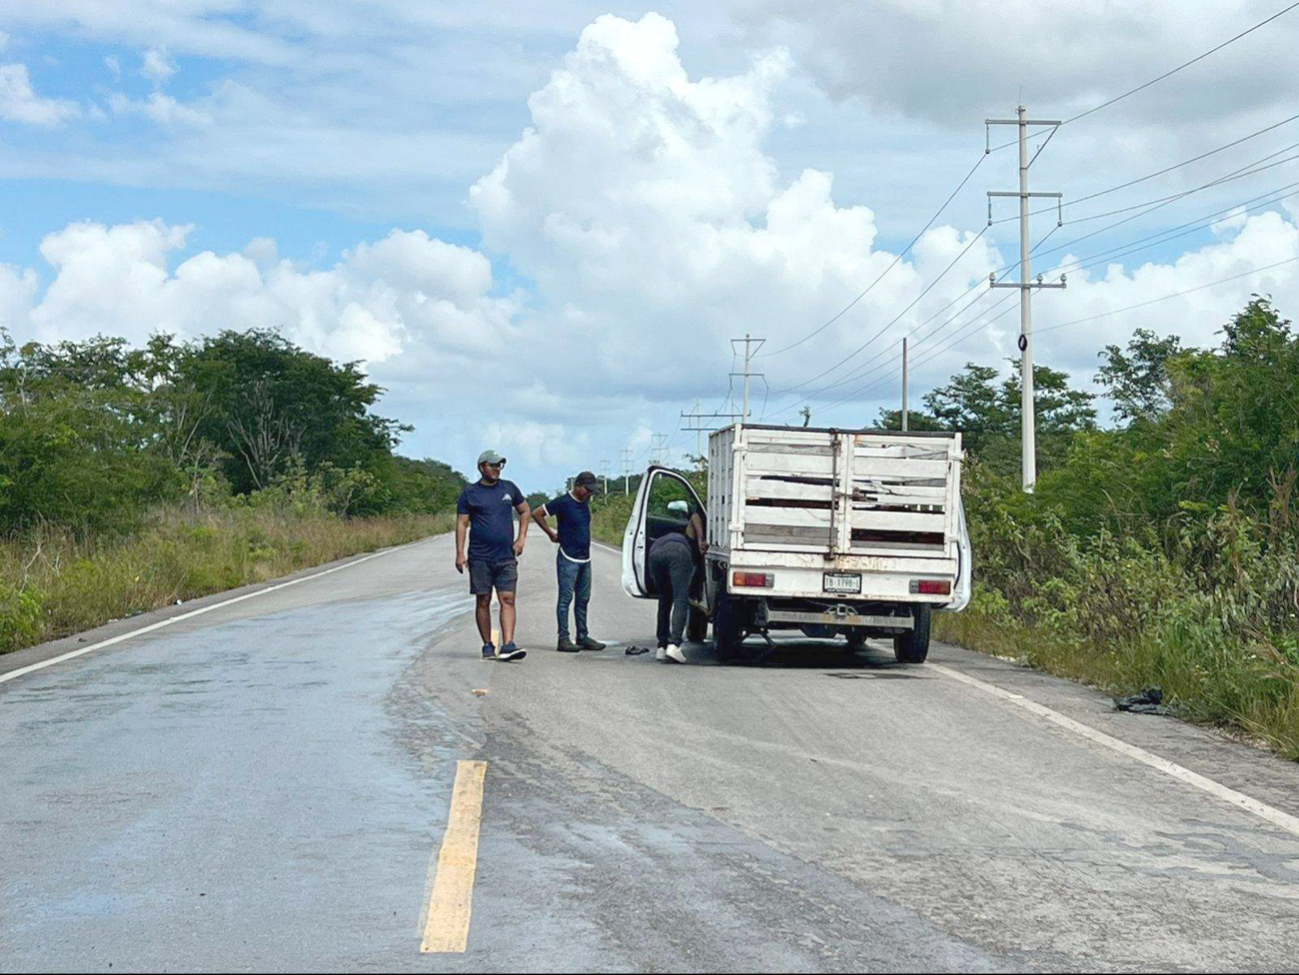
72,654
1216,789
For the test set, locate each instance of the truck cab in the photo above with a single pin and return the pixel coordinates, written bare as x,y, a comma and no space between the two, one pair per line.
853,533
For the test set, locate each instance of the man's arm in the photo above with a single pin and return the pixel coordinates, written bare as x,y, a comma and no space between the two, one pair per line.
525,516
462,529
540,516
696,529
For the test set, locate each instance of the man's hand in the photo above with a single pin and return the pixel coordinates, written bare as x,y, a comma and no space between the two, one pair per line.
518,547
554,537
460,562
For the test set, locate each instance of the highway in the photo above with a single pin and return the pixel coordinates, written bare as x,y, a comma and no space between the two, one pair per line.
267,785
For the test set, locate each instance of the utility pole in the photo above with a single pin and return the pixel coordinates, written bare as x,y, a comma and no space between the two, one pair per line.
660,447
904,384
698,424
625,455
604,473
1028,416
806,414
751,346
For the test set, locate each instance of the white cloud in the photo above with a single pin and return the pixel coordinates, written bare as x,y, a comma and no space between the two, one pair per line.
644,206
157,65
114,65
406,295
19,103
162,110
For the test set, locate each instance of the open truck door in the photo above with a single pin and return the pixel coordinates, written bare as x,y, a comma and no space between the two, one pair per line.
665,501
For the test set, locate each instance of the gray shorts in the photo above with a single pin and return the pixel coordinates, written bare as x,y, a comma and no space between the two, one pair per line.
484,575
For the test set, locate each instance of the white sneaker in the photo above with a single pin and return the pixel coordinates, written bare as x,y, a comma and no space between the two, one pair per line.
658,654
673,654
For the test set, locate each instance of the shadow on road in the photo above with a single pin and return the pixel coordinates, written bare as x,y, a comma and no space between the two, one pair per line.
832,656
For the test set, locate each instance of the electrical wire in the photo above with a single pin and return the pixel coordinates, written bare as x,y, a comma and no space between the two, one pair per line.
901,254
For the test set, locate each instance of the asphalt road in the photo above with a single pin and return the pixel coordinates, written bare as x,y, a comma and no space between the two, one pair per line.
265,786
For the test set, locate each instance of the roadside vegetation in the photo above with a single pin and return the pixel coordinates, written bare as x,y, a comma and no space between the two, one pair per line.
131,478
1161,550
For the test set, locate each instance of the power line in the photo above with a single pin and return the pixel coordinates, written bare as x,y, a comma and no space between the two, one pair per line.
1185,64
902,253
932,284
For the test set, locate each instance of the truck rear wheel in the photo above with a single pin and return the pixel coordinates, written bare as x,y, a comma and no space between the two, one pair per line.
913,647
728,625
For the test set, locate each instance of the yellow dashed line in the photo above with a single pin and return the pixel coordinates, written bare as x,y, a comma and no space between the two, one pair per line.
446,927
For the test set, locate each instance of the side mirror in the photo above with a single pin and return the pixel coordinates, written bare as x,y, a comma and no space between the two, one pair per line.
679,508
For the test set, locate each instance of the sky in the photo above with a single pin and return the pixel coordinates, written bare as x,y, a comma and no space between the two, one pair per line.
541,226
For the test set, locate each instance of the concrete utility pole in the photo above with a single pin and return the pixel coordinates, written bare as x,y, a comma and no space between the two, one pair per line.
660,448
1028,413
698,424
904,384
625,454
604,473
751,347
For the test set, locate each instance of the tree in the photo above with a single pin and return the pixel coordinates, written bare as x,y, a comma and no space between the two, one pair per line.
1137,380
275,406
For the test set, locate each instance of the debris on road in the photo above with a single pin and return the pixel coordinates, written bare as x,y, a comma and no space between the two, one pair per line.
633,651
1149,701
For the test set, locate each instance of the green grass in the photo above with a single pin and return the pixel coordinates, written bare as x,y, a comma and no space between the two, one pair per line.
53,584
609,519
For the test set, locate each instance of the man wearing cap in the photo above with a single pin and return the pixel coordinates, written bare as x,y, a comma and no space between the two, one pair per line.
572,511
485,511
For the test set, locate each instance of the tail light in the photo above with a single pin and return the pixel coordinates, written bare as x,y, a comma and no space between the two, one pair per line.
753,580
931,587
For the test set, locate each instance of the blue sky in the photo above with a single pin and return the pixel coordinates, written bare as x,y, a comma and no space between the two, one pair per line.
540,228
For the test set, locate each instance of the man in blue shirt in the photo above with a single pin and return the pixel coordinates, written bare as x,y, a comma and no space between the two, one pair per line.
485,511
573,560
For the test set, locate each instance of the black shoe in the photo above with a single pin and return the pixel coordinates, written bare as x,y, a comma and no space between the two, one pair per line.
589,643
489,652
511,652
567,646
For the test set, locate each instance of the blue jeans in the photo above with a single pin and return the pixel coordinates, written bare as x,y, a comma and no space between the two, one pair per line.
574,580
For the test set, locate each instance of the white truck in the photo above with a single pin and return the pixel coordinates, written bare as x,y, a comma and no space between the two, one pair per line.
832,532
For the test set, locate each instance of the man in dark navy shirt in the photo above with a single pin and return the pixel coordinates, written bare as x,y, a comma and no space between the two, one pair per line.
485,511
573,560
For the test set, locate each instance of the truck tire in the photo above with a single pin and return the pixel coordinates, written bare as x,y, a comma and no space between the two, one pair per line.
728,626
913,647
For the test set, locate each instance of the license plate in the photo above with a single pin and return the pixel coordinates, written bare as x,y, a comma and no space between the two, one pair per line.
842,582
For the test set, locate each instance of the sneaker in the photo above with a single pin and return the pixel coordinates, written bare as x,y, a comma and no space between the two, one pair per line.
489,651
673,654
659,654
589,643
510,652
567,646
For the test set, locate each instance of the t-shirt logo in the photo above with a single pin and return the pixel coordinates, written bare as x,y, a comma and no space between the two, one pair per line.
505,498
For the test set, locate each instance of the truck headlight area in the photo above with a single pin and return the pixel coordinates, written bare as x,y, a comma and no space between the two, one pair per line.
753,580
931,587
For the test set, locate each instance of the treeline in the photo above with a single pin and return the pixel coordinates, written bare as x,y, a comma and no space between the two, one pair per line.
95,434
1161,548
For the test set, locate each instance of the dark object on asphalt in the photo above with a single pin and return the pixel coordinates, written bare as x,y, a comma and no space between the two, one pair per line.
1149,701
633,651
567,646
